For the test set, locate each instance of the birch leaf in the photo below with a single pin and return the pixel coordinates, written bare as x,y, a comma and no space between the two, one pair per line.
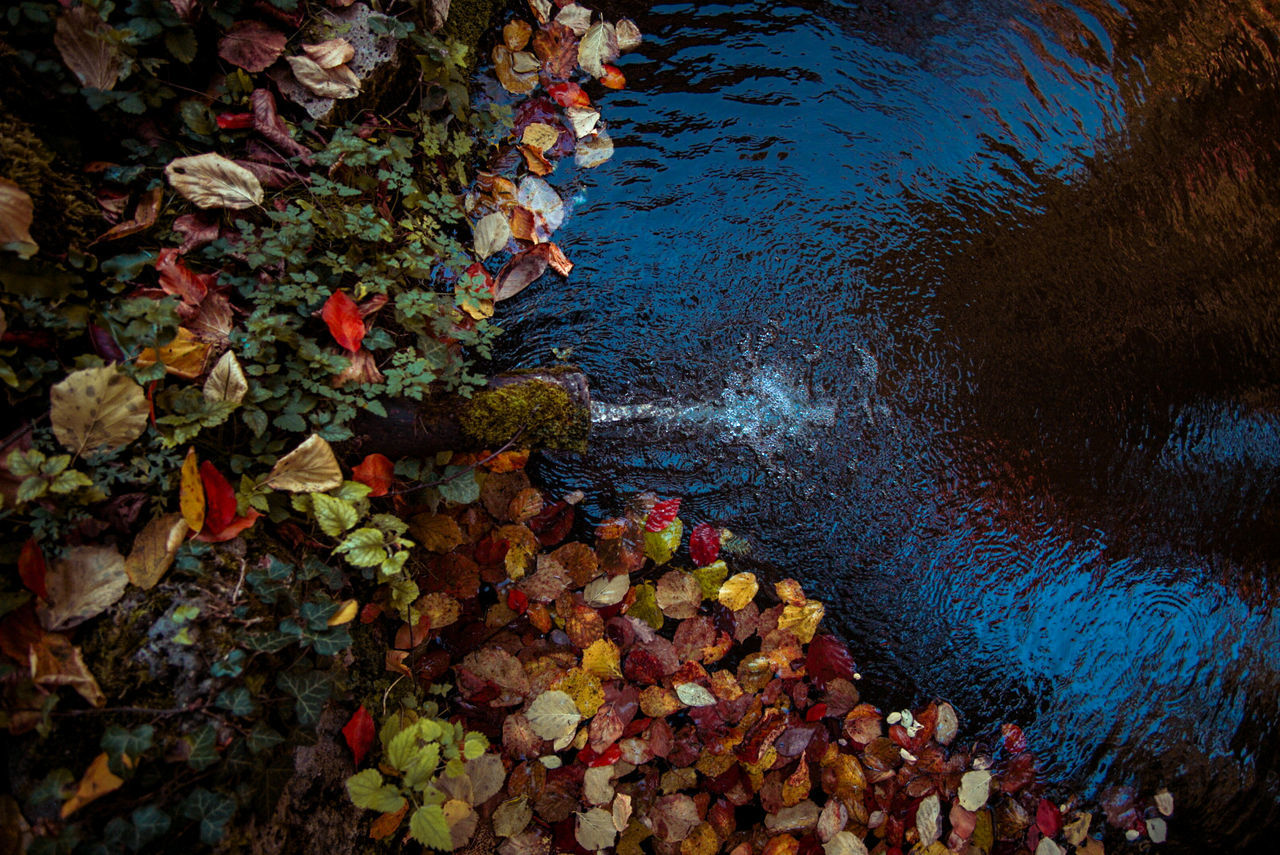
226,380
553,715
80,39
594,830
309,468
598,46
606,592
154,550
583,119
16,216
491,234
82,585
337,82
575,17
97,408
594,150
211,181
628,34
693,695
738,590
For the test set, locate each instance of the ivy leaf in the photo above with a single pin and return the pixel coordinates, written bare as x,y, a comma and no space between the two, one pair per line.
211,181
553,715
149,822
226,381
367,791
124,746
213,810
204,748
309,690
429,827
342,316
97,408
334,515
309,468
359,732
237,701
263,738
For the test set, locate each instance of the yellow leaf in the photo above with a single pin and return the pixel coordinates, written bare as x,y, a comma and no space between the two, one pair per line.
309,468
183,357
154,550
345,613
645,605
440,609
211,181
98,780
191,492
97,408
585,689
802,621
16,216
790,592
738,590
331,53
226,381
516,34
540,135
602,659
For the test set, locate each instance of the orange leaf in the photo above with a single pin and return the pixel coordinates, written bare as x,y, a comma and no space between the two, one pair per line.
32,569
613,78
509,461
343,318
375,472
184,357
98,780
232,529
386,825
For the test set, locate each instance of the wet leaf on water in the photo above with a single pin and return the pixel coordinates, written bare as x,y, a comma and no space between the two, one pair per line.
515,35
517,83
594,150
553,715
16,215
82,585
679,595
1164,802
975,787
539,197
1157,830
582,120
802,621
598,46
738,590
522,270
576,17
154,549
309,468
613,77
251,45
81,37
628,34
540,135
491,234
211,181
97,408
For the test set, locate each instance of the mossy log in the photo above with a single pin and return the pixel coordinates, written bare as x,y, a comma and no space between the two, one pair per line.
540,408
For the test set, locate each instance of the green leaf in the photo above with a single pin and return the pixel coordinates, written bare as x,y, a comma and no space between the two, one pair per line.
368,791
429,827
474,746
263,738
661,545
69,482
118,741
422,766
237,701
213,810
459,485
31,489
149,822
364,547
182,44
310,691
204,748
334,515
710,578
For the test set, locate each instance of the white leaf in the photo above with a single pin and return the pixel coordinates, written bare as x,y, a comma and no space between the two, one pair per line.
538,196
211,181
583,119
1046,846
491,234
1164,802
845,843
606,592
628,34
598,46
597,786
975,787
693,695
97,408
1157,830
226,381
594,150
929,820
331,53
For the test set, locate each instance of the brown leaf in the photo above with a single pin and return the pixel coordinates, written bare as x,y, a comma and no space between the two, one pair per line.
251,45
82,585
436,532
16,215
144,217
500,668
196,231
337,82
557,47
267,121
516,34
55,661
522,270
679,594
81,38
330,53
517,83
362,369
154,549
211,181
547,583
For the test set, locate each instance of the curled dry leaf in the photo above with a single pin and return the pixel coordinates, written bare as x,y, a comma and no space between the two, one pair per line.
251,45
144,217
331,53
267,121
16,215
491,234
523,62
97,408
211,181
82,585
154,549
337,82
81,39
309,468
226,381
55,661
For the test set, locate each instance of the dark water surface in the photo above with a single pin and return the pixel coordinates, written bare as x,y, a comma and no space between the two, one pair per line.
965,314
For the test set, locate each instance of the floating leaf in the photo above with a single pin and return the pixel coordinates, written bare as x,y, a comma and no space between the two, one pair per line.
251,45
516,83
154,549
82,585
491,234
16,216
738,590
575,17
342,316
81,39
359,732
599,45
975,787
583,120
613,78
606,591
98,780
553,715
515,35
337,82
693,695
802,621
211,181
309,468
704,544
594,829
538,196
522,270
226,381
628,34
1164,802
97,408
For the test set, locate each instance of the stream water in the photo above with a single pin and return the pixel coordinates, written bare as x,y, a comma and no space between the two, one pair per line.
963,314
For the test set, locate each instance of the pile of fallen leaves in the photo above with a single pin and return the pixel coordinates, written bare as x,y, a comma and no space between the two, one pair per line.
643,702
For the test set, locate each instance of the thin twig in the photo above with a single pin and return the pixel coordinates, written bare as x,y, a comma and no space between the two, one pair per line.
134,710
469,468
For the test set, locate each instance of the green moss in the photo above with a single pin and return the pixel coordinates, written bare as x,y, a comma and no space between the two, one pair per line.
548,416
469,22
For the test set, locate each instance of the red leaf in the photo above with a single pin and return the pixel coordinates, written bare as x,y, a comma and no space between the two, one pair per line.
613,78
517,601
220,507
232,529
704,544
370,612
827,659
32,569
553,524
375,472
359,733
235,121
1048,818
662,515
815,712
1014,741
343,317
180,281
569,95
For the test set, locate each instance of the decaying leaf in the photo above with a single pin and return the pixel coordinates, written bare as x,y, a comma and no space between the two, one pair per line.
583,120
539,197
975,786
522,270
154,549
251,45
336,82
594,830
491,234
16,216
55,661
211,181
512,817
97,408
226,381
330,53
594,150
309,468
98,780
628,34
81,39
144,217
83,584
606,591
540,135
